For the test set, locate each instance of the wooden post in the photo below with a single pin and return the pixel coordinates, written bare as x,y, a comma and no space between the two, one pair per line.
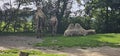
23,54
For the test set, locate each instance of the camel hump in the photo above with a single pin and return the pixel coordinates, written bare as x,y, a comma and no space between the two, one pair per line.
71,26
53,18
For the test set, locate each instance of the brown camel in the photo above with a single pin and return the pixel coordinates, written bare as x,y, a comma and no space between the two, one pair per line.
39,20
54,24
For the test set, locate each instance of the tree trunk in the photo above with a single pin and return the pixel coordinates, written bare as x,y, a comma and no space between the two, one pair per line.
60,14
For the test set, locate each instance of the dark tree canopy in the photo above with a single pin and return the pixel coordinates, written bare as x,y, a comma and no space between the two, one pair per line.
102,15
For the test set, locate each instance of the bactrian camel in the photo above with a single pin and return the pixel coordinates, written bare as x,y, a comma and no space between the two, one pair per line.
77,30
53,24
40,21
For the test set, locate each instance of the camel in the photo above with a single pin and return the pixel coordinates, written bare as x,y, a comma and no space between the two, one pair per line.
39,21
53,24
77,30
70,30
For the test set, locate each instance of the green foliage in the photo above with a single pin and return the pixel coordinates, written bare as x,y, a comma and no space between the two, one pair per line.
19,27
2,24
64,23
82,41
15,52
106,13
85,22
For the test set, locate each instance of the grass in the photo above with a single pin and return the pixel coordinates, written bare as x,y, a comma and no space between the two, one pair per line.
97,40
15,52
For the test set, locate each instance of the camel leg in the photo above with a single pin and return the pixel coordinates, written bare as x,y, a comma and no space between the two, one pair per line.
56,27
38,33
37,29
52,30
40,28
55,30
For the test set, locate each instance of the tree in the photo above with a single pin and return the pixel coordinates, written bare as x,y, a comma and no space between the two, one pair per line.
106,14
14,17
60,7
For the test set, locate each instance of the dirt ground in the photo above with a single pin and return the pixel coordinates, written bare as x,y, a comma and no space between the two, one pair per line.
23,42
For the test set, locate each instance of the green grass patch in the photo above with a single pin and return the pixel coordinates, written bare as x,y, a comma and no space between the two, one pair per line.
82,41
15,52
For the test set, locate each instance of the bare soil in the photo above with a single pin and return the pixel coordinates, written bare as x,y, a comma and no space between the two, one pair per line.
23,42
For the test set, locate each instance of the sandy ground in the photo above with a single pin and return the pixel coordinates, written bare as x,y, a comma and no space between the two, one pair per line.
23,42
18,42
